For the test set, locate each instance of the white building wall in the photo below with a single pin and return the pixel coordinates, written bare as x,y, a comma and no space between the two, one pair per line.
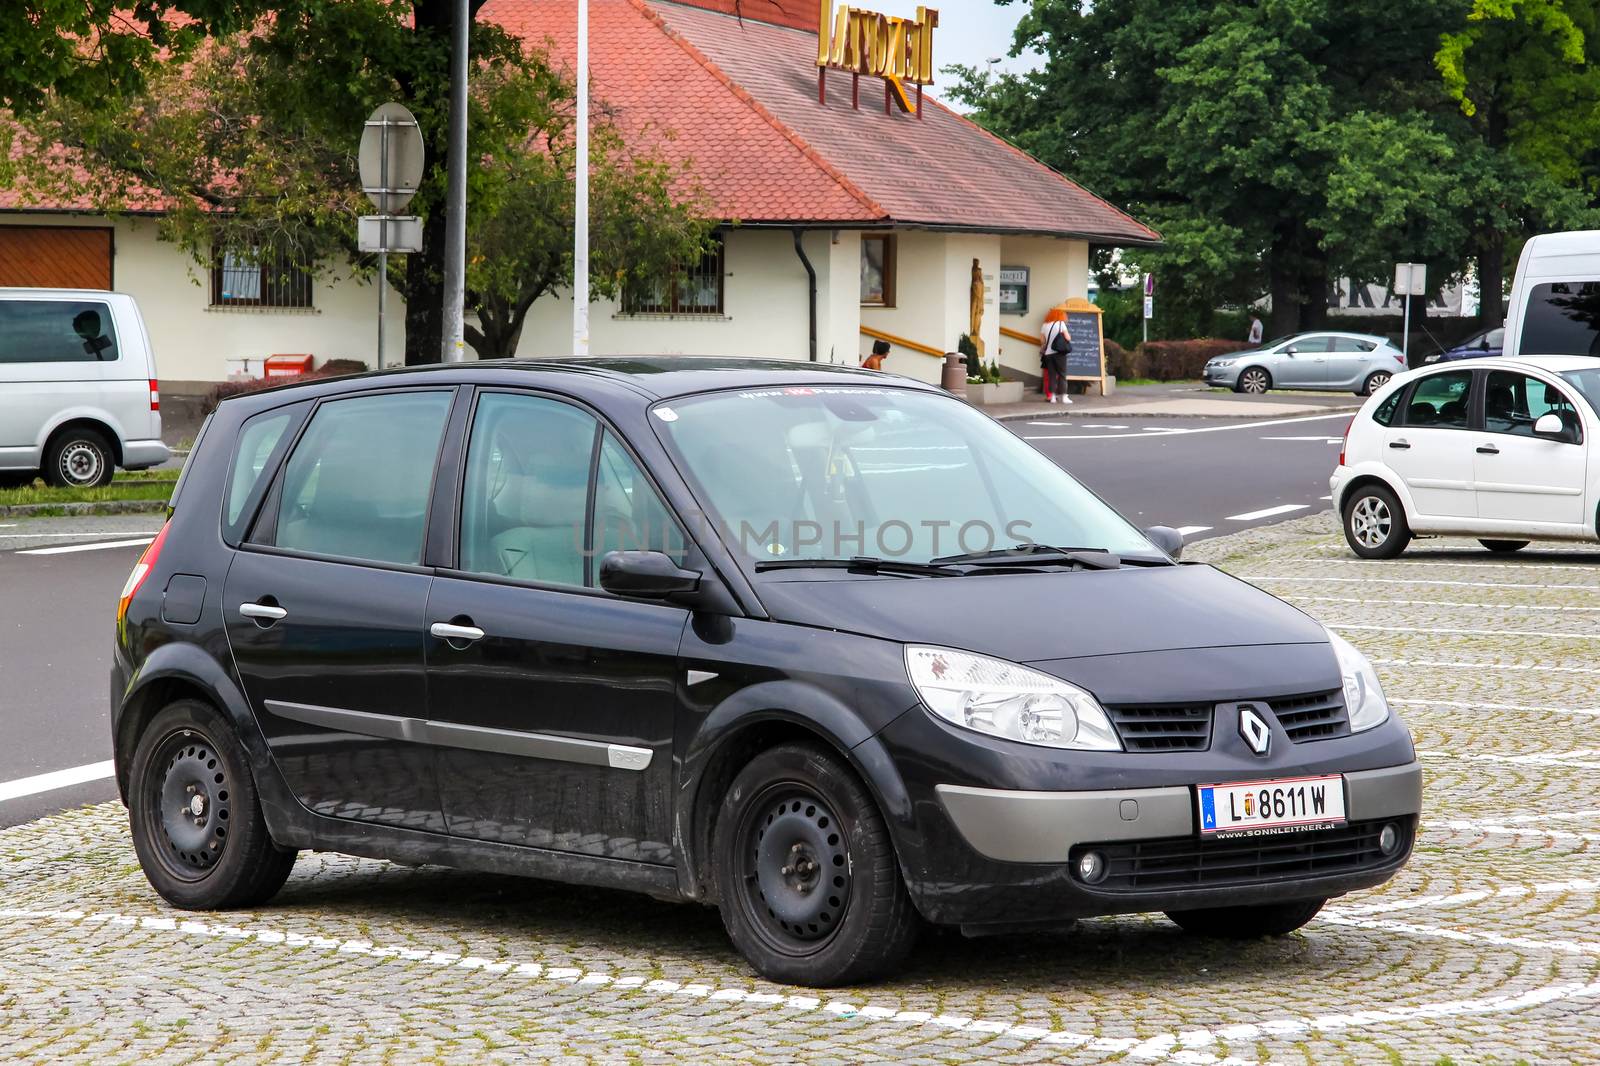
194,342
1059,269
837,256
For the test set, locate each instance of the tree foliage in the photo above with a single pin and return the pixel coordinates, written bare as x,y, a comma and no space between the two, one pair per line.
1278,145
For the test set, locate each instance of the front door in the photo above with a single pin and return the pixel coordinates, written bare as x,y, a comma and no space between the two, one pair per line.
1430,446
1519,477
325,607
553,703
1303,363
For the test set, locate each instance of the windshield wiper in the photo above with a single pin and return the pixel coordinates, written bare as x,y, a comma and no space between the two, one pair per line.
861,564
1033,555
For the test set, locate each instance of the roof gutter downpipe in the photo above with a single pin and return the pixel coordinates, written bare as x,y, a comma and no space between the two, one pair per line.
811,273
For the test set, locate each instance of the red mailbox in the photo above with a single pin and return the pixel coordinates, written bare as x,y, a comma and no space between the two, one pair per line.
287,366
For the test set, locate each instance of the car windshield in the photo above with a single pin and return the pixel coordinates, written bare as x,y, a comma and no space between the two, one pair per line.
798,473
1587,381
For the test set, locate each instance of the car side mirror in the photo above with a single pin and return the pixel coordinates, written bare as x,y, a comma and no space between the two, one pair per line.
646,575
1551,427
1166,538
1291,350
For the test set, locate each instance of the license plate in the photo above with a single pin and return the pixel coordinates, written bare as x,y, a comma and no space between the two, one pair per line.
1267,808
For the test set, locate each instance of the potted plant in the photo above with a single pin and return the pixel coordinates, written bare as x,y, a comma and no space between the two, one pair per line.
989,387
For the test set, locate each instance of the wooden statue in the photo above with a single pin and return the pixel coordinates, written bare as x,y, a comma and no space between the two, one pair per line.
975,313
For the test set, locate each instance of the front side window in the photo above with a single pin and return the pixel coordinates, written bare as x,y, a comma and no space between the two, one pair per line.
1562,318
1513,402
1308,345
877,270
1441,401
840,472
357,484
253,278
628,514
57,331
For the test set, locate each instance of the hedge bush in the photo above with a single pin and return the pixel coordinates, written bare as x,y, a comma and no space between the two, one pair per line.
333,368
1178,360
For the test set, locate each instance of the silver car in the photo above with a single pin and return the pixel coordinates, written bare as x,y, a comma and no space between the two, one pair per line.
1334,362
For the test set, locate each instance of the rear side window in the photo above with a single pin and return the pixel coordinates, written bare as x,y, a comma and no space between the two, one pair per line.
1350,344
1441,401
1562,318
357,484
257,439
57,331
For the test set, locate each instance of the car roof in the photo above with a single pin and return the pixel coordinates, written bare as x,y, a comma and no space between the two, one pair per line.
17,292
1554,364
1338,333
656,377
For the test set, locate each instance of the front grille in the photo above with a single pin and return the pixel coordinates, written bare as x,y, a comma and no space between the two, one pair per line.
1196,862
1317,716
1164,727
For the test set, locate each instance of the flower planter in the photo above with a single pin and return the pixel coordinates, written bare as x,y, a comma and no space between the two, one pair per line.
1005,392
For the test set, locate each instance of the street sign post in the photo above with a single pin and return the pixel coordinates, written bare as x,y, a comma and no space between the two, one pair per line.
1410,279
391,159
1149,302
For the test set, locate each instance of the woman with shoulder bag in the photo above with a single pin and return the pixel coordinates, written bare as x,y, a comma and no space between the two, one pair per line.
1053,349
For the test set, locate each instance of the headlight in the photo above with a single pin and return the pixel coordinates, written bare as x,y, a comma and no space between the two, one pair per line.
1005,700
1363,696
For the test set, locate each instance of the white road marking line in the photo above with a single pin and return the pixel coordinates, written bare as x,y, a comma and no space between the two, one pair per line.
1191,530
1487,666
1473,559
1204,429
1102,425
1329,499
1320,440
1161,429
1432,630
1416,581
1386,602
97,533
1463,705
1550,758
1268,512
65,548
1564,947
1456,899
1054,425
1490,829
77,775
1566,816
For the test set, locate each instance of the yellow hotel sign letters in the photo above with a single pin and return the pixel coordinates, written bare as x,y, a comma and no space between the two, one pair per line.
898,50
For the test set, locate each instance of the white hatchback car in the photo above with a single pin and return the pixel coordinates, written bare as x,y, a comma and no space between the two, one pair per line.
1506,450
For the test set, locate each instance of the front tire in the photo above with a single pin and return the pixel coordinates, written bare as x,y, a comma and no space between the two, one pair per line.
1248,923
1253,380
78,459
196,815
1375,523
807,878
1375,381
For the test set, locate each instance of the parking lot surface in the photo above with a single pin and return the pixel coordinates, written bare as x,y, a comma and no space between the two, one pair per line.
1485,949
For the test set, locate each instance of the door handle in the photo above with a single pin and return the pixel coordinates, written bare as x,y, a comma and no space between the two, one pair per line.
1488,449
262,612
1399,444
448,631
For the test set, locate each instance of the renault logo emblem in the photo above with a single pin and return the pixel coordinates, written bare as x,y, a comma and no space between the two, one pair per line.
1254,730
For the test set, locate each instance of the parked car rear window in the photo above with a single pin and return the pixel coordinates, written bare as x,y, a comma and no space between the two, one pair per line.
357,484
1563,318
56,331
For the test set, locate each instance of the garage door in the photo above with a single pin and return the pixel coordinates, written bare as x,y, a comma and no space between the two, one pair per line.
55,257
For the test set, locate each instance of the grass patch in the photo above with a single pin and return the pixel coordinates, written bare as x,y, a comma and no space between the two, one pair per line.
144,485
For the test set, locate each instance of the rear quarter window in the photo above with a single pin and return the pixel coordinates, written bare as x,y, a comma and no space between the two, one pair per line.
57,331
258,440
1383,414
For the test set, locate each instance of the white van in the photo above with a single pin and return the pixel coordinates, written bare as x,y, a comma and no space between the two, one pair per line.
1555,298
78,390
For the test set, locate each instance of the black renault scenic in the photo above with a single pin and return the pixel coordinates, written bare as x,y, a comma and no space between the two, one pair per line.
824,648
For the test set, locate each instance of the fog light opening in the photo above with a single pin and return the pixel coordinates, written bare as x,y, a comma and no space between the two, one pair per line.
1389,839
1091,867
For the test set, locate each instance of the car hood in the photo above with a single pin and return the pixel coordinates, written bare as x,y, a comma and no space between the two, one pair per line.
1031,617
1240,354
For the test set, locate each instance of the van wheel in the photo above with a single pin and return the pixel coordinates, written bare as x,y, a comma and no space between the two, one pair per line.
196,816
1375,523
807,878
78,459
1253,380
1504,545
1248,923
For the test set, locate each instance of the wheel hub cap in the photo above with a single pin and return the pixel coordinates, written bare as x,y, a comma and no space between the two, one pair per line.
80,463
1370,521
802,872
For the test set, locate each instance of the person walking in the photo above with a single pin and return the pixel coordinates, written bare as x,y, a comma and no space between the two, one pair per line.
1054,346
1255,331
880,350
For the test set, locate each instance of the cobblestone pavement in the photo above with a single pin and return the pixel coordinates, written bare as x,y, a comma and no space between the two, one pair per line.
1485,949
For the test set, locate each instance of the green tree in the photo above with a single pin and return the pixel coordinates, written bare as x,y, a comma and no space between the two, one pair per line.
246,152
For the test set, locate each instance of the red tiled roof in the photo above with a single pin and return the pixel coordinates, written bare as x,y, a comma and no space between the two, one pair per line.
743,110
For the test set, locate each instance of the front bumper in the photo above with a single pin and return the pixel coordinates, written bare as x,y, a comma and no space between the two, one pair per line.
1224,376
140,454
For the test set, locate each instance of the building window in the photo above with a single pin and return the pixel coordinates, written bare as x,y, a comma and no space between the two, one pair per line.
877,270
249,279
695,291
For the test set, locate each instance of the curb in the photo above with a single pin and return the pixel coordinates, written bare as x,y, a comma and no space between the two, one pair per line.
27,510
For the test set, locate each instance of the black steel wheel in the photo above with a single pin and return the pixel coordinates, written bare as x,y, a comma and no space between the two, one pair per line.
807,878
196,816
1253,380
78,459
1248,923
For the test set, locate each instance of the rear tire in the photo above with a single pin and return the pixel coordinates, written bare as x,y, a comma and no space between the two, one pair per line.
1501,547
807,878
1375,381
196,815
1375,523
78,459
1248,923
1254,380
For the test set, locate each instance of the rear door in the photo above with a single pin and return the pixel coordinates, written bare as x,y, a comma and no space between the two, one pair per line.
552,702
325,605
1349,361
1519,477
1430,445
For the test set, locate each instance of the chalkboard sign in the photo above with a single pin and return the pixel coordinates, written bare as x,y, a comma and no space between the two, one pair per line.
1084,361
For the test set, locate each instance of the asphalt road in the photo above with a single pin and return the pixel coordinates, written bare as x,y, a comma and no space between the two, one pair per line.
1204,476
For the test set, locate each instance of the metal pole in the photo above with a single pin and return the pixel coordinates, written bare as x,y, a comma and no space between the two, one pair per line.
383,234
455,218
580,215
1405,330
383,283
